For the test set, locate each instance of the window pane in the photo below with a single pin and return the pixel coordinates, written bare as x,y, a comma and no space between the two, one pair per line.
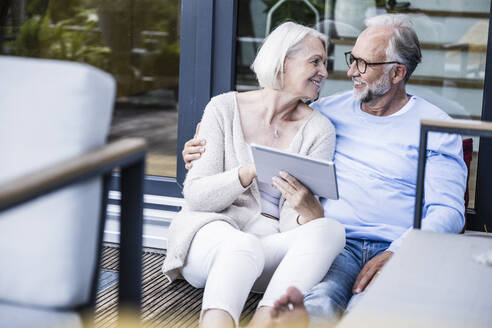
136,41
453,35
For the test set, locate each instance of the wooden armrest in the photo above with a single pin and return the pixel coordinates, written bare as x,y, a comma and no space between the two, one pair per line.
101,160
466,127
459,124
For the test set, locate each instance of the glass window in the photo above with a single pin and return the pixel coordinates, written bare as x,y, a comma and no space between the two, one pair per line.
453,36
136,41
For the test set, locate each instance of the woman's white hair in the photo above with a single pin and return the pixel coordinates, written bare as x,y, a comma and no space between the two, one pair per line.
404,45
282,42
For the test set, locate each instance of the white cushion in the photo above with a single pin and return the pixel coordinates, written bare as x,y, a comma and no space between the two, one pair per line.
21,317
50,111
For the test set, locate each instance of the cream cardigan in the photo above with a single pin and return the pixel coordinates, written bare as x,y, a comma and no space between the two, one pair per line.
212,189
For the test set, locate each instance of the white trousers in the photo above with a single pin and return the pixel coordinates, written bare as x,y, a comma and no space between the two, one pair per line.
230,263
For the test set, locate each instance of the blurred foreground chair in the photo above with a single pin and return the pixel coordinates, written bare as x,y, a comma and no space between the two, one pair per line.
54,180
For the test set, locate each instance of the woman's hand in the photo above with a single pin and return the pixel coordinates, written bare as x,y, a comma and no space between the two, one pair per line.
247,174
193,149
299,197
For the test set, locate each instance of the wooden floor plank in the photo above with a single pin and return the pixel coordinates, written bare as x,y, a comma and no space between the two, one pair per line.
163,305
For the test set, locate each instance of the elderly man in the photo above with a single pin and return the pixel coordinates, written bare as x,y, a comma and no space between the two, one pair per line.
377,127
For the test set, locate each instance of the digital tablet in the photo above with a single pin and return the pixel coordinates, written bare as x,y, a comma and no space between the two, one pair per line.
319,176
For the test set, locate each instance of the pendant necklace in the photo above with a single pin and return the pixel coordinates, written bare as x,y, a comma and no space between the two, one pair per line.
276,135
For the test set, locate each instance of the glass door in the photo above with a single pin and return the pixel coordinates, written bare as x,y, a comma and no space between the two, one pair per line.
135,41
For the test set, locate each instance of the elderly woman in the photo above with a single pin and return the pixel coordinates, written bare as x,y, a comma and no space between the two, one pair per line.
235,235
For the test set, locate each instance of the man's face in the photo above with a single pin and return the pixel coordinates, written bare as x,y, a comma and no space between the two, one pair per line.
375,81
366,91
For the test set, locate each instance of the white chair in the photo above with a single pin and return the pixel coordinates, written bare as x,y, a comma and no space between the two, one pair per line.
53,112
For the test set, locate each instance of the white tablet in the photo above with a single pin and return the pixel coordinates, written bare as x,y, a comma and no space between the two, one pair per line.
317,175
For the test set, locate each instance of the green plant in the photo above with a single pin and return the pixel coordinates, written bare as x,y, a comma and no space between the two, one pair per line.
27,42
72,39
380,3
136,41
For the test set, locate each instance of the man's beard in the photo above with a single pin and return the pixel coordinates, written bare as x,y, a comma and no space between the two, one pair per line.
372,91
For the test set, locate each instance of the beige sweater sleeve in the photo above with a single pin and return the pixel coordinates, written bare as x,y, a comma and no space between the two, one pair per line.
322,148
208,187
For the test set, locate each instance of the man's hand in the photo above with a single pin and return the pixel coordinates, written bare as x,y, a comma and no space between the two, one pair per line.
299,197
193,149
370,270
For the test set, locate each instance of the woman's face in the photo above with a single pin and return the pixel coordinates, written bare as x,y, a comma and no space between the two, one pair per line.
305,69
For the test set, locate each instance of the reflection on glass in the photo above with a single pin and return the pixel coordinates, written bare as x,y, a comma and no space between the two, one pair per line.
136,41
453,35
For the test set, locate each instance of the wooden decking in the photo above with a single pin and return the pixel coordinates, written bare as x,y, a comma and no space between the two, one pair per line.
163,304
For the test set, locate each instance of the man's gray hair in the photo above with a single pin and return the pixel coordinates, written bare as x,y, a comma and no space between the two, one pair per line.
404,45
282,42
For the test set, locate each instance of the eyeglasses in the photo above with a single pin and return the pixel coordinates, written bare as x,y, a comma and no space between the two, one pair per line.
361,64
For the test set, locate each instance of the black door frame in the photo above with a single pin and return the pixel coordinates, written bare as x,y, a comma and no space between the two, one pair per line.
481,217
207,68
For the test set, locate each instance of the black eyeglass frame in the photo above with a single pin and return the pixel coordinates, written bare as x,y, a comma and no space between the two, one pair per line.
348,54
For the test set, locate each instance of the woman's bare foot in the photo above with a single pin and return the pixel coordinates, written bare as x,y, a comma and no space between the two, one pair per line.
289,310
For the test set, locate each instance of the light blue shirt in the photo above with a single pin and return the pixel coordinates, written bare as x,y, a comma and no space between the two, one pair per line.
376,164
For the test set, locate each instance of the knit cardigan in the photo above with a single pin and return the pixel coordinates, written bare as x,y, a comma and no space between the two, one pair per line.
212,190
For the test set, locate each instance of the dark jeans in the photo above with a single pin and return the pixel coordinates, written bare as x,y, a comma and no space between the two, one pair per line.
327,300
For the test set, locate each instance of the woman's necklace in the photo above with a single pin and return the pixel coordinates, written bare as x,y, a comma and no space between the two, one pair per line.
276,135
